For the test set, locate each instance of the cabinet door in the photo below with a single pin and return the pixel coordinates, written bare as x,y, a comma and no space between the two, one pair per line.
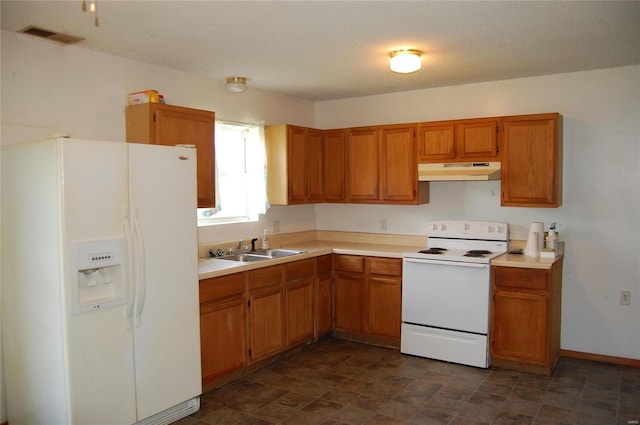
315,166
193,128
519,330
436,142
385,306
350,301
362,164
324,304
266,323
297,164
223,337
299,308
334,165
477,139
399,166
173,125
531,166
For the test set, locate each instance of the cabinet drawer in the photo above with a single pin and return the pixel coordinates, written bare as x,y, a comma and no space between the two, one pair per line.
268,276
300,269
349,263
221,287
513,277
325,264
385,266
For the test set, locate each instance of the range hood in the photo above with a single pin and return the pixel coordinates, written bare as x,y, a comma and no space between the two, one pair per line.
453,171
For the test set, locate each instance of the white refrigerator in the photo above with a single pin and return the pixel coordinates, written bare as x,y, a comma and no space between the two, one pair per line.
100,310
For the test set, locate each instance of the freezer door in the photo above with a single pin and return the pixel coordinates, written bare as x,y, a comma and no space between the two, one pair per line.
100,342
163,203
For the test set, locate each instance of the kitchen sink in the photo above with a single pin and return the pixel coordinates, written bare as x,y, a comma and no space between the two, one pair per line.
277,253
245,258
260,255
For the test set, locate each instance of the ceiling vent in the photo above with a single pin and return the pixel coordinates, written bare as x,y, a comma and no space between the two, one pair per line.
43,33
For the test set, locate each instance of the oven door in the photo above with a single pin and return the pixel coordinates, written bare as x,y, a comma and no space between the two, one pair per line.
449,295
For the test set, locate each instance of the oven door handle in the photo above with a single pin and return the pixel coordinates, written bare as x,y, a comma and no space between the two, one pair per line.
446,263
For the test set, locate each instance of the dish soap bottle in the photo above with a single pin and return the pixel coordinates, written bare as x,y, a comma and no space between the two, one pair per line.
552,238
265,240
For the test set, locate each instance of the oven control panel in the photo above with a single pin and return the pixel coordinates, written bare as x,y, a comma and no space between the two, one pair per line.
468,229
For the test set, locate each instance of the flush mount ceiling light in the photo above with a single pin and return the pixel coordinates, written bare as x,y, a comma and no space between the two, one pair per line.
236,84
405,61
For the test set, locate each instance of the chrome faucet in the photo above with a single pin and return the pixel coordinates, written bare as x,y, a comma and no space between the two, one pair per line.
240,245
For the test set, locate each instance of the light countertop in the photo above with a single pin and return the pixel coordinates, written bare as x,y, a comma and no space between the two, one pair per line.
213,267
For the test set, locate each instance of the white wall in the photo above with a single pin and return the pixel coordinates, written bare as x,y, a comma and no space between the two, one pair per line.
599,218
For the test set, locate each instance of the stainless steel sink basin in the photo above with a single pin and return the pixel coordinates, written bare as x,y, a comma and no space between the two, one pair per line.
277,253
245,258
260,255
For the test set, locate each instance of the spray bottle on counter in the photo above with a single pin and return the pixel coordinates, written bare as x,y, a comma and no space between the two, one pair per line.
265,240
551,240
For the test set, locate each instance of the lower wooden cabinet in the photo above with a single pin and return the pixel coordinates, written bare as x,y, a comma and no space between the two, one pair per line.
385,296
368,295
299,289
266,312
324,296
525,318
223,331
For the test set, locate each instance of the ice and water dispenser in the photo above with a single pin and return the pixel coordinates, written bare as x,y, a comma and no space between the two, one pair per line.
98,278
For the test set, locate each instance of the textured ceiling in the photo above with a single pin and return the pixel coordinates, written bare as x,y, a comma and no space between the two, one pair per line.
320,50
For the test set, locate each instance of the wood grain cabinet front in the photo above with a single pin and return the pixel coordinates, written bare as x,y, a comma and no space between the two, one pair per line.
532,161
223,325
266,312
295,162
299,294
525,318
459,140
170,125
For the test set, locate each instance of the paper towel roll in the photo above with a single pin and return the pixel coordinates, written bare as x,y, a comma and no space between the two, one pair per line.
533,245
538,227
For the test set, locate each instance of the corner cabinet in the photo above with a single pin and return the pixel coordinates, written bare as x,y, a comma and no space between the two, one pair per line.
295,164
532,161
525,318
160,124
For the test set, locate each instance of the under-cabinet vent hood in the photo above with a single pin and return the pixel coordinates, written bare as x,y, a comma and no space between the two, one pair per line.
459,171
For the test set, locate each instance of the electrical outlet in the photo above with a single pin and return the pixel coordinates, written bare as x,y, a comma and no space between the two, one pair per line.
625,297
383,224
275,226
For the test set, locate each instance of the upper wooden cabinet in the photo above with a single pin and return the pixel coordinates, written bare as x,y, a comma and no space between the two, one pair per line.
294,164
382,167
161,124
398,166
532,161
458,140
334,165
362,164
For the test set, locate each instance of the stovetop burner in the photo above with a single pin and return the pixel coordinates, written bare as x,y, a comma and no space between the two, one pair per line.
476,253
434,250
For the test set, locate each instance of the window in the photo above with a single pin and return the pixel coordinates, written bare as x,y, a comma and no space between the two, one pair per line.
241,190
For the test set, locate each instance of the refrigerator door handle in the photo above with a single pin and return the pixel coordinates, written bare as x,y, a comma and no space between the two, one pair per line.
141,283
131,266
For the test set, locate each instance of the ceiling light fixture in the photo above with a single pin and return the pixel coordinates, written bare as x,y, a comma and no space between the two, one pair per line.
92,8
236,84
405,61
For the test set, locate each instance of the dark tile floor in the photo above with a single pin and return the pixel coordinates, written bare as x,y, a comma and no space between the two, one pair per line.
341,382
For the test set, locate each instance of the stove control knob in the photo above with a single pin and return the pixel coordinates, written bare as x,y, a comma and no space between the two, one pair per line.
500,229
443,227
434,227
490,228
466,226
